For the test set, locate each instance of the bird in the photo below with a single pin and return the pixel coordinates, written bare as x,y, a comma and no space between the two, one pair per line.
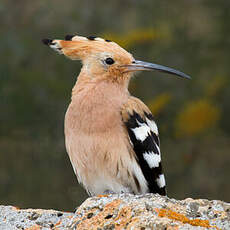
111,137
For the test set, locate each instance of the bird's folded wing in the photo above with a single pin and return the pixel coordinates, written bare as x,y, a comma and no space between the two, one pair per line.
143,134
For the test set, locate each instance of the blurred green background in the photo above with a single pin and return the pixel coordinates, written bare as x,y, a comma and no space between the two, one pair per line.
35,89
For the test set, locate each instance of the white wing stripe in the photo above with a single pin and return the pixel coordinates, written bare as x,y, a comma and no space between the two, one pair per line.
152,126
159,151
152,159
141,132
161,181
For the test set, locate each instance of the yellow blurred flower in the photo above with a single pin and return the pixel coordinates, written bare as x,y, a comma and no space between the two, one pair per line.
196,117
159,103
133,37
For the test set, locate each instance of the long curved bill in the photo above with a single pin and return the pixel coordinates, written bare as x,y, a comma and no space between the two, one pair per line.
141,65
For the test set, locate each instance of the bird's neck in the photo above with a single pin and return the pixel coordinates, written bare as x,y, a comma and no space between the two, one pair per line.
99,86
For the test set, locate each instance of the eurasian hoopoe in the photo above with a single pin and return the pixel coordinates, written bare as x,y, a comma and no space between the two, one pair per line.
111,137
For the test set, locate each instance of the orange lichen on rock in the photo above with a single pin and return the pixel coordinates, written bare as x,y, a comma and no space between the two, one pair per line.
102,195
112,215
182,218
35,227
89,220
56,225
124,218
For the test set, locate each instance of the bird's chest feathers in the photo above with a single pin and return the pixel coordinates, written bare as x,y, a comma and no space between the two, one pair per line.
96,108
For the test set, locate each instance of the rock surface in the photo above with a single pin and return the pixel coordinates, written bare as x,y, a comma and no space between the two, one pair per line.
123,211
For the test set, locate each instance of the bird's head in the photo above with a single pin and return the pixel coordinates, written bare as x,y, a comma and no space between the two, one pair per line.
104,59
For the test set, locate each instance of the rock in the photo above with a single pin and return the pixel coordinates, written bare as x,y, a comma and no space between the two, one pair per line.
32,219
124,211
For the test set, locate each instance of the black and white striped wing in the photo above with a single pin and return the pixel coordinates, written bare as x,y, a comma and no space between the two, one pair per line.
143,134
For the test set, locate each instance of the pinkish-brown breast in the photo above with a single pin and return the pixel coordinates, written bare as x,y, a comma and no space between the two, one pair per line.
96,139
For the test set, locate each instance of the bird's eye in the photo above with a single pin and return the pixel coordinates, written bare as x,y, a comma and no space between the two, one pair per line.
109,61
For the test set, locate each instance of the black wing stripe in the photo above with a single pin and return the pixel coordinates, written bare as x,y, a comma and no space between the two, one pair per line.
156,138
